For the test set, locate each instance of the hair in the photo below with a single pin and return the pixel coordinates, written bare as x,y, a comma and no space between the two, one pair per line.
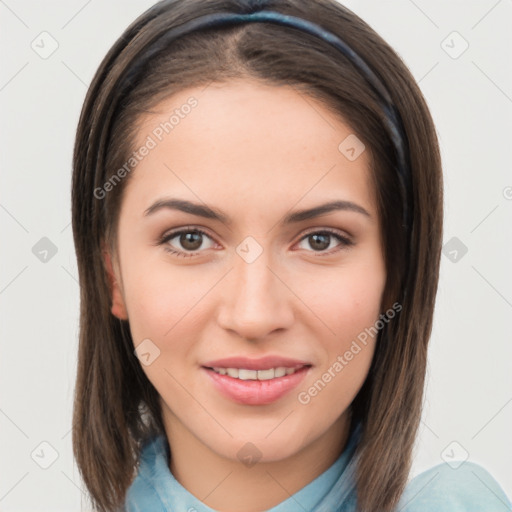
116,408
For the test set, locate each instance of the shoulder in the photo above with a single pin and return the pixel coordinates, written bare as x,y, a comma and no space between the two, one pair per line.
468,488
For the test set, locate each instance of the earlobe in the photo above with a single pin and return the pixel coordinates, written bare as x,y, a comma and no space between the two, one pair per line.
118,307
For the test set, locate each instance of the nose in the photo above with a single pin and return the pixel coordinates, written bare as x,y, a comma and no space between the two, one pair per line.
256,300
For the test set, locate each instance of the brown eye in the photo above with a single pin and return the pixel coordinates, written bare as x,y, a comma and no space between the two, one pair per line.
191,241
186,242
320,241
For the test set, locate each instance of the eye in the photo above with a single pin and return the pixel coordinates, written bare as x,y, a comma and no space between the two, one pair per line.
322,240
188,240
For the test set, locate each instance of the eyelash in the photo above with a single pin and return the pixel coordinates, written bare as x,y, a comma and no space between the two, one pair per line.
344,241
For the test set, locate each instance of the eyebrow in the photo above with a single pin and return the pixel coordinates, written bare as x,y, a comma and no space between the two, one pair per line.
212,213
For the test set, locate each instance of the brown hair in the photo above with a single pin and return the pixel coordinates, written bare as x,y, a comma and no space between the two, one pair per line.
116,408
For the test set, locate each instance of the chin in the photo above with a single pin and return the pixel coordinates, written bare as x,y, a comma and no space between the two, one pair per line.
265,445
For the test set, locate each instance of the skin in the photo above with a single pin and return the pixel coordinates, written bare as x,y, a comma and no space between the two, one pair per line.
256,153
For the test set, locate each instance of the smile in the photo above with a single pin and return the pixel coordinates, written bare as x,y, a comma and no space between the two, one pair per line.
244,374
255,387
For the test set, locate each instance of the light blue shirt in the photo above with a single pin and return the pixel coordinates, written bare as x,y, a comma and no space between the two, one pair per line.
469,488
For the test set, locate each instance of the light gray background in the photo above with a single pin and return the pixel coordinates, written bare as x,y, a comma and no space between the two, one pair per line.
469,392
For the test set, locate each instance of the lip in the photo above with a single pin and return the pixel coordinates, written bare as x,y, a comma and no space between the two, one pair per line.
255,392
262,363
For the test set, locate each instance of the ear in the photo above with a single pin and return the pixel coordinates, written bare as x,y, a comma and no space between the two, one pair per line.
118,307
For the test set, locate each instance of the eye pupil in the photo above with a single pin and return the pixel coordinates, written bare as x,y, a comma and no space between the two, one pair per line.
321,241
191,240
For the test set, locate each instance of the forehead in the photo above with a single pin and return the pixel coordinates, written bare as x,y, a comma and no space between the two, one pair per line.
248,139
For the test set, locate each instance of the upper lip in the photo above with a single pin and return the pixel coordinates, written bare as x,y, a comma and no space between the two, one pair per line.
262,363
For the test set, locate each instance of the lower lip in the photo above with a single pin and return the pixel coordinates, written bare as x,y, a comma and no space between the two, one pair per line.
256,392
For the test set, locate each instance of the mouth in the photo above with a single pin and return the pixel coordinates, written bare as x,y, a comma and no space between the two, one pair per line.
255,382
245,374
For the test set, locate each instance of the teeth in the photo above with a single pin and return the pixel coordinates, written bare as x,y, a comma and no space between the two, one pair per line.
280,372
243,374
266,374
232,372
247,374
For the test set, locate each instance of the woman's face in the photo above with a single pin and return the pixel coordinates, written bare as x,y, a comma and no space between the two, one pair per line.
222,255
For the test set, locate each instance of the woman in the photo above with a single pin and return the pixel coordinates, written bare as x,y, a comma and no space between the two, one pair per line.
257,213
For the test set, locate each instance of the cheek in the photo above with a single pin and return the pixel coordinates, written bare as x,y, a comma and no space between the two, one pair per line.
348,303
346,300
165,306
161,300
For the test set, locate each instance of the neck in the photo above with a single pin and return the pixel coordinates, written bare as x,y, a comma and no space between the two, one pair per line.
228,485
